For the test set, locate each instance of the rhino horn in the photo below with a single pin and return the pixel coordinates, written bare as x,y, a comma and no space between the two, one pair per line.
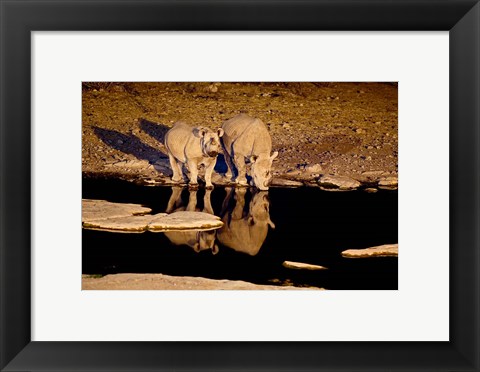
274,155
272,225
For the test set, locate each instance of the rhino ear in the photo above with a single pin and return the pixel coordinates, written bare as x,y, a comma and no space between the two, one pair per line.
220,132
200,132
215,249
274,155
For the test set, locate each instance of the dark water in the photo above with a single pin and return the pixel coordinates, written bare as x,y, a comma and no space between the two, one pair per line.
311,226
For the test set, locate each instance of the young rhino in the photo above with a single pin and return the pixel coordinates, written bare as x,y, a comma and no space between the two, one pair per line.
192,146
248,137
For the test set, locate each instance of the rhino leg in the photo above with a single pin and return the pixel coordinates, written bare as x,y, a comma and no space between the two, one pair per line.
207,203
226,201
230,165
192,201
240,165
238,210
193,167
176,168
175,199
209,165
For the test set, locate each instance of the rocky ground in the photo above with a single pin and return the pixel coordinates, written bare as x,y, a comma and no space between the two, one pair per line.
334,135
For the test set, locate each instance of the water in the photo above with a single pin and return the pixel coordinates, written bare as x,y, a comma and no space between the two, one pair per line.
310,226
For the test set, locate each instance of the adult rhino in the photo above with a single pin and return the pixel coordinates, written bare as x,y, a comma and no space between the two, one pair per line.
246,137
198,240
245,232
193,147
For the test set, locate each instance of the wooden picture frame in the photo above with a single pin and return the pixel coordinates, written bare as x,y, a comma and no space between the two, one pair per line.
20,18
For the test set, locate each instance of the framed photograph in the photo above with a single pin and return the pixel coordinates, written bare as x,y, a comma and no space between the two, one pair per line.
215,185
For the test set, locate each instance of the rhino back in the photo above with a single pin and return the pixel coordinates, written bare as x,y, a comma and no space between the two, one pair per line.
245,135
182,143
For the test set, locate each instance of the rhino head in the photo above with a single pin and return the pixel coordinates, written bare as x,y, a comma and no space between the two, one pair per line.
210,141
261,170
206,240
259,211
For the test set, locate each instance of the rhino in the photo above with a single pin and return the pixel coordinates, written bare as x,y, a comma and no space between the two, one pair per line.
245,232
246,137
196,239
193,147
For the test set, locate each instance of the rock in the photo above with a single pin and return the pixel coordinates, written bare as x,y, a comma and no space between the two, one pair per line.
337,183
386,250
282,182
130,164
388,183
373,174
99,214
359,130
371,190
136,164
302,266
212,88
102,209
127,224
185,220
314,168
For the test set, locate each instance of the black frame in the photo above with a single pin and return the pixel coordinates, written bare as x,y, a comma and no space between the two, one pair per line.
19,17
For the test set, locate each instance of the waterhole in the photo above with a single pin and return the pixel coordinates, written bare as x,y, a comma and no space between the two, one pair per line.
261,231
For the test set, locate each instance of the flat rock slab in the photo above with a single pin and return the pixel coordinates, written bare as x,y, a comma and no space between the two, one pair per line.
131,164
302,266
185,220
282,182
126,224
387,250
337,183
388,183
103,215
157,223
102,209
166,282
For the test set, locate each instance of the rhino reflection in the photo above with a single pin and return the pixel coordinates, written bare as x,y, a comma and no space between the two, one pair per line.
175,203
198,240
245,230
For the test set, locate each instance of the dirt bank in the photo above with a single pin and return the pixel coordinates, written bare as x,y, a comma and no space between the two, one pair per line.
167,282
342,129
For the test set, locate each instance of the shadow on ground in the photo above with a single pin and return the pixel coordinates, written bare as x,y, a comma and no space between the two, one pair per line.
129,144
155,130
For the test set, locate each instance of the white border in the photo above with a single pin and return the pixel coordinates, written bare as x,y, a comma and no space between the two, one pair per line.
417,311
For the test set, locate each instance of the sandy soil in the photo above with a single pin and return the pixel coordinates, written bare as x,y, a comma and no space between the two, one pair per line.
166,282
347,129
